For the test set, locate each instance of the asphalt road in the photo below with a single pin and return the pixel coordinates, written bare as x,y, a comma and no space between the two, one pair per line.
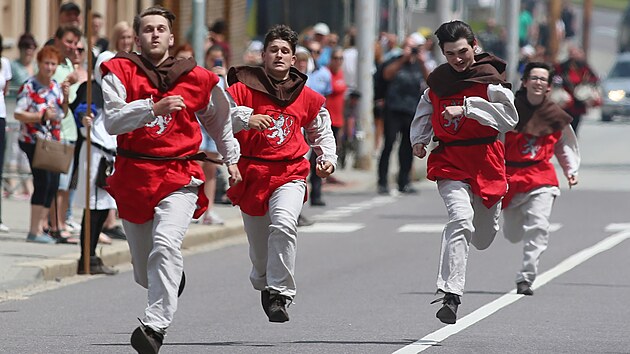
365,282
366,275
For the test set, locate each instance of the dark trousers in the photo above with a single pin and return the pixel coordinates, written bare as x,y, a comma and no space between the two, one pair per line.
45,183
395,123
97,220
3,144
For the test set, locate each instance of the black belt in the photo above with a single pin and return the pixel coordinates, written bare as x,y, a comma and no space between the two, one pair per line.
522,163
467,142
199,156
104,149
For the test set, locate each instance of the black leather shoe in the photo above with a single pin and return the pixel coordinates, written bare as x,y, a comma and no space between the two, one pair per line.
524,288
265,301
277,308
408,189
317,202
448,313
382,190
146,341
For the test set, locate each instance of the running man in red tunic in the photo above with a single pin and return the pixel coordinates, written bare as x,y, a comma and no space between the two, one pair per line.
274,106
150,102
544,130
468,107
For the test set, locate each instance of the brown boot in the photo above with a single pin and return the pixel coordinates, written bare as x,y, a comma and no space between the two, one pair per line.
96,267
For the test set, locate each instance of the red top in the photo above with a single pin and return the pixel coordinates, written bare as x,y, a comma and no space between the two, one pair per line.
482,165
275,156
335,101
533,155
139,185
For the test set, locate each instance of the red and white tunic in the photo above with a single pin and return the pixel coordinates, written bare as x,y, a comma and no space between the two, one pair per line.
488,111
139,185
528,160
275,156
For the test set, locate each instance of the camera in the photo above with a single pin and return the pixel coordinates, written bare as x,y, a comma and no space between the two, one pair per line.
415,50
218,62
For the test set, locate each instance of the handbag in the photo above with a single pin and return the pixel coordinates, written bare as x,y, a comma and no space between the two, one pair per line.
52,155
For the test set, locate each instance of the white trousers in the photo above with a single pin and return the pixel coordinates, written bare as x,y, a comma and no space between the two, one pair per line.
273,240
469,221
156,255
527,219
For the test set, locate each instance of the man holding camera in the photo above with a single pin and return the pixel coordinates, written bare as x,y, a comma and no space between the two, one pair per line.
405,79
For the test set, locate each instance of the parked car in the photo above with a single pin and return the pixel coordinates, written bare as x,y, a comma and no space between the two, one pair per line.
616,89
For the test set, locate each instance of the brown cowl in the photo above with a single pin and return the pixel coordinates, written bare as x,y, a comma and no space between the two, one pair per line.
165,75
532,118
282,93
487,69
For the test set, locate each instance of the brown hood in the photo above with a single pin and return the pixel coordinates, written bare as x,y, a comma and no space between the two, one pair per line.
487,69
532,118
165,75
282,93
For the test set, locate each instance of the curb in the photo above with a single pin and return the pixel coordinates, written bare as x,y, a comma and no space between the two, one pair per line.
118,252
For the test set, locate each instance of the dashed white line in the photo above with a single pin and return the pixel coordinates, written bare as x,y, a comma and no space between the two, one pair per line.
321,227
347,210
617,227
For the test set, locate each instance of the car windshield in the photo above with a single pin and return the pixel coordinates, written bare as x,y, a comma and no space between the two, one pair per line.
621,69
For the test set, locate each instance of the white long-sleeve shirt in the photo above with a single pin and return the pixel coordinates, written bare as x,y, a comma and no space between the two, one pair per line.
123,117
497,112
318,133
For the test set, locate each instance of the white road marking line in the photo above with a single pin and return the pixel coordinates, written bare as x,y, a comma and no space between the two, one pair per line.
616,227
345,211
417,228
331,227
437,228
569,263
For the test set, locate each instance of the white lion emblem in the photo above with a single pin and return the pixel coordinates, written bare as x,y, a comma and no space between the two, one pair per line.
530,147
279,131
161,122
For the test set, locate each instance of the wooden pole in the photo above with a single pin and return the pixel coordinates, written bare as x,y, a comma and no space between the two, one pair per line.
555,8
87,233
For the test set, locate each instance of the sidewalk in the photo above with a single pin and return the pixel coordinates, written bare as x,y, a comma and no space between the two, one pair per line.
25,263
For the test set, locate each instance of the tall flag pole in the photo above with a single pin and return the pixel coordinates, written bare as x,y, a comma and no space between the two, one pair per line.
87,233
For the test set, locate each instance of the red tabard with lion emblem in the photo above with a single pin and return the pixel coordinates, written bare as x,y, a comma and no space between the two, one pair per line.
482,166
523,148
139,185
277,153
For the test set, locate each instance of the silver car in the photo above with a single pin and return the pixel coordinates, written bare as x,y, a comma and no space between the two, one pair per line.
616,89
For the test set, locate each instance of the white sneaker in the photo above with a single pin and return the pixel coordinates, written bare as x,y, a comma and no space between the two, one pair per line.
4,228
73,226
212,218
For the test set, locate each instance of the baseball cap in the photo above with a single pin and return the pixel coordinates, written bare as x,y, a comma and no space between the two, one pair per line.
70,7
321,28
